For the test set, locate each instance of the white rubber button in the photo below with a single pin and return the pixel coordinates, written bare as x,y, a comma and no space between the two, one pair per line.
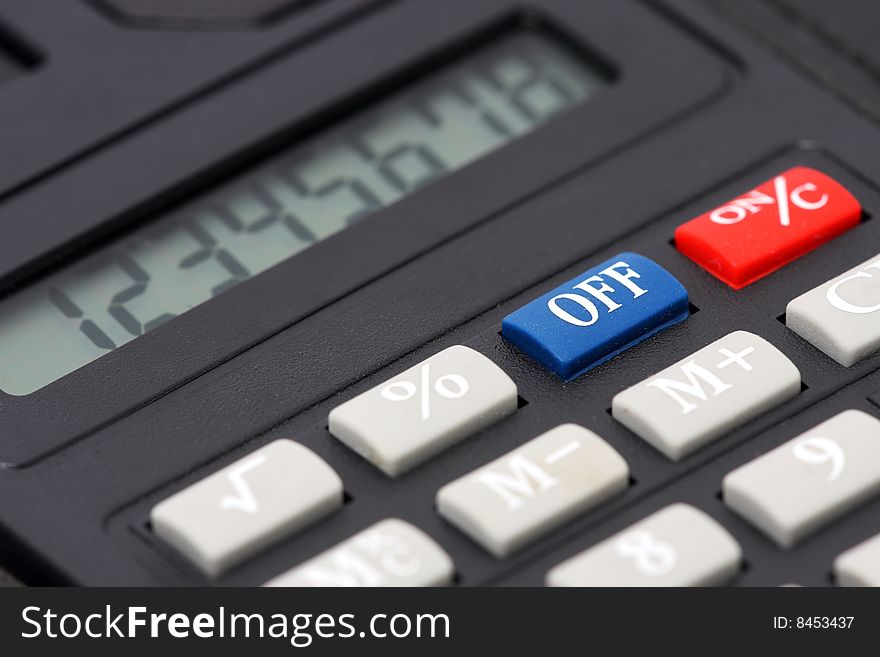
424,410
676,546
713,391
841,317
390,553
860,565
232,514
809,481
529,491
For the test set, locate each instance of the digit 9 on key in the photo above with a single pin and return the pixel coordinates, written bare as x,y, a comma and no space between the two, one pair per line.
764,229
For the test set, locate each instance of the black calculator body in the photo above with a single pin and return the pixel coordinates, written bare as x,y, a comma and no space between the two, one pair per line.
122,120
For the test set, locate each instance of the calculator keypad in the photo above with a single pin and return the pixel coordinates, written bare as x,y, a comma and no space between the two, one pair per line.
513,500
809,481
390,553
409,418
758,232
860,565
595,316
712,391
248,505
676,546
841,317
569,473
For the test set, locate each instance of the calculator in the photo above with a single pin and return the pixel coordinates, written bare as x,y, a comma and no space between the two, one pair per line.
422,293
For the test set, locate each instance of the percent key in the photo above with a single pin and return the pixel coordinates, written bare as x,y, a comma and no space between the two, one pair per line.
424,410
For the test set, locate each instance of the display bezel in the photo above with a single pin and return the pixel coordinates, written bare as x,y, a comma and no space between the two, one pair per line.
192,344
318,186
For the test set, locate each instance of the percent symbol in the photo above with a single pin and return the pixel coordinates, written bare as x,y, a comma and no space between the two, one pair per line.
449,386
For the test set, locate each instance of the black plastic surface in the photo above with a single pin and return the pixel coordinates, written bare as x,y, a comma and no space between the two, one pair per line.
200,340
195,14
701,112
16,56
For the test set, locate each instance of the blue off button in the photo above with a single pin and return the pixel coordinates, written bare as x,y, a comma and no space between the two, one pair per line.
598,314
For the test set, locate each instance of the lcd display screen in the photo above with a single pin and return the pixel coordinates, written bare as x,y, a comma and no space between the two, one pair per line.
316,188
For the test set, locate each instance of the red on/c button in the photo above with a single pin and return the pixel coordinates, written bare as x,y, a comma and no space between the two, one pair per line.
769,226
